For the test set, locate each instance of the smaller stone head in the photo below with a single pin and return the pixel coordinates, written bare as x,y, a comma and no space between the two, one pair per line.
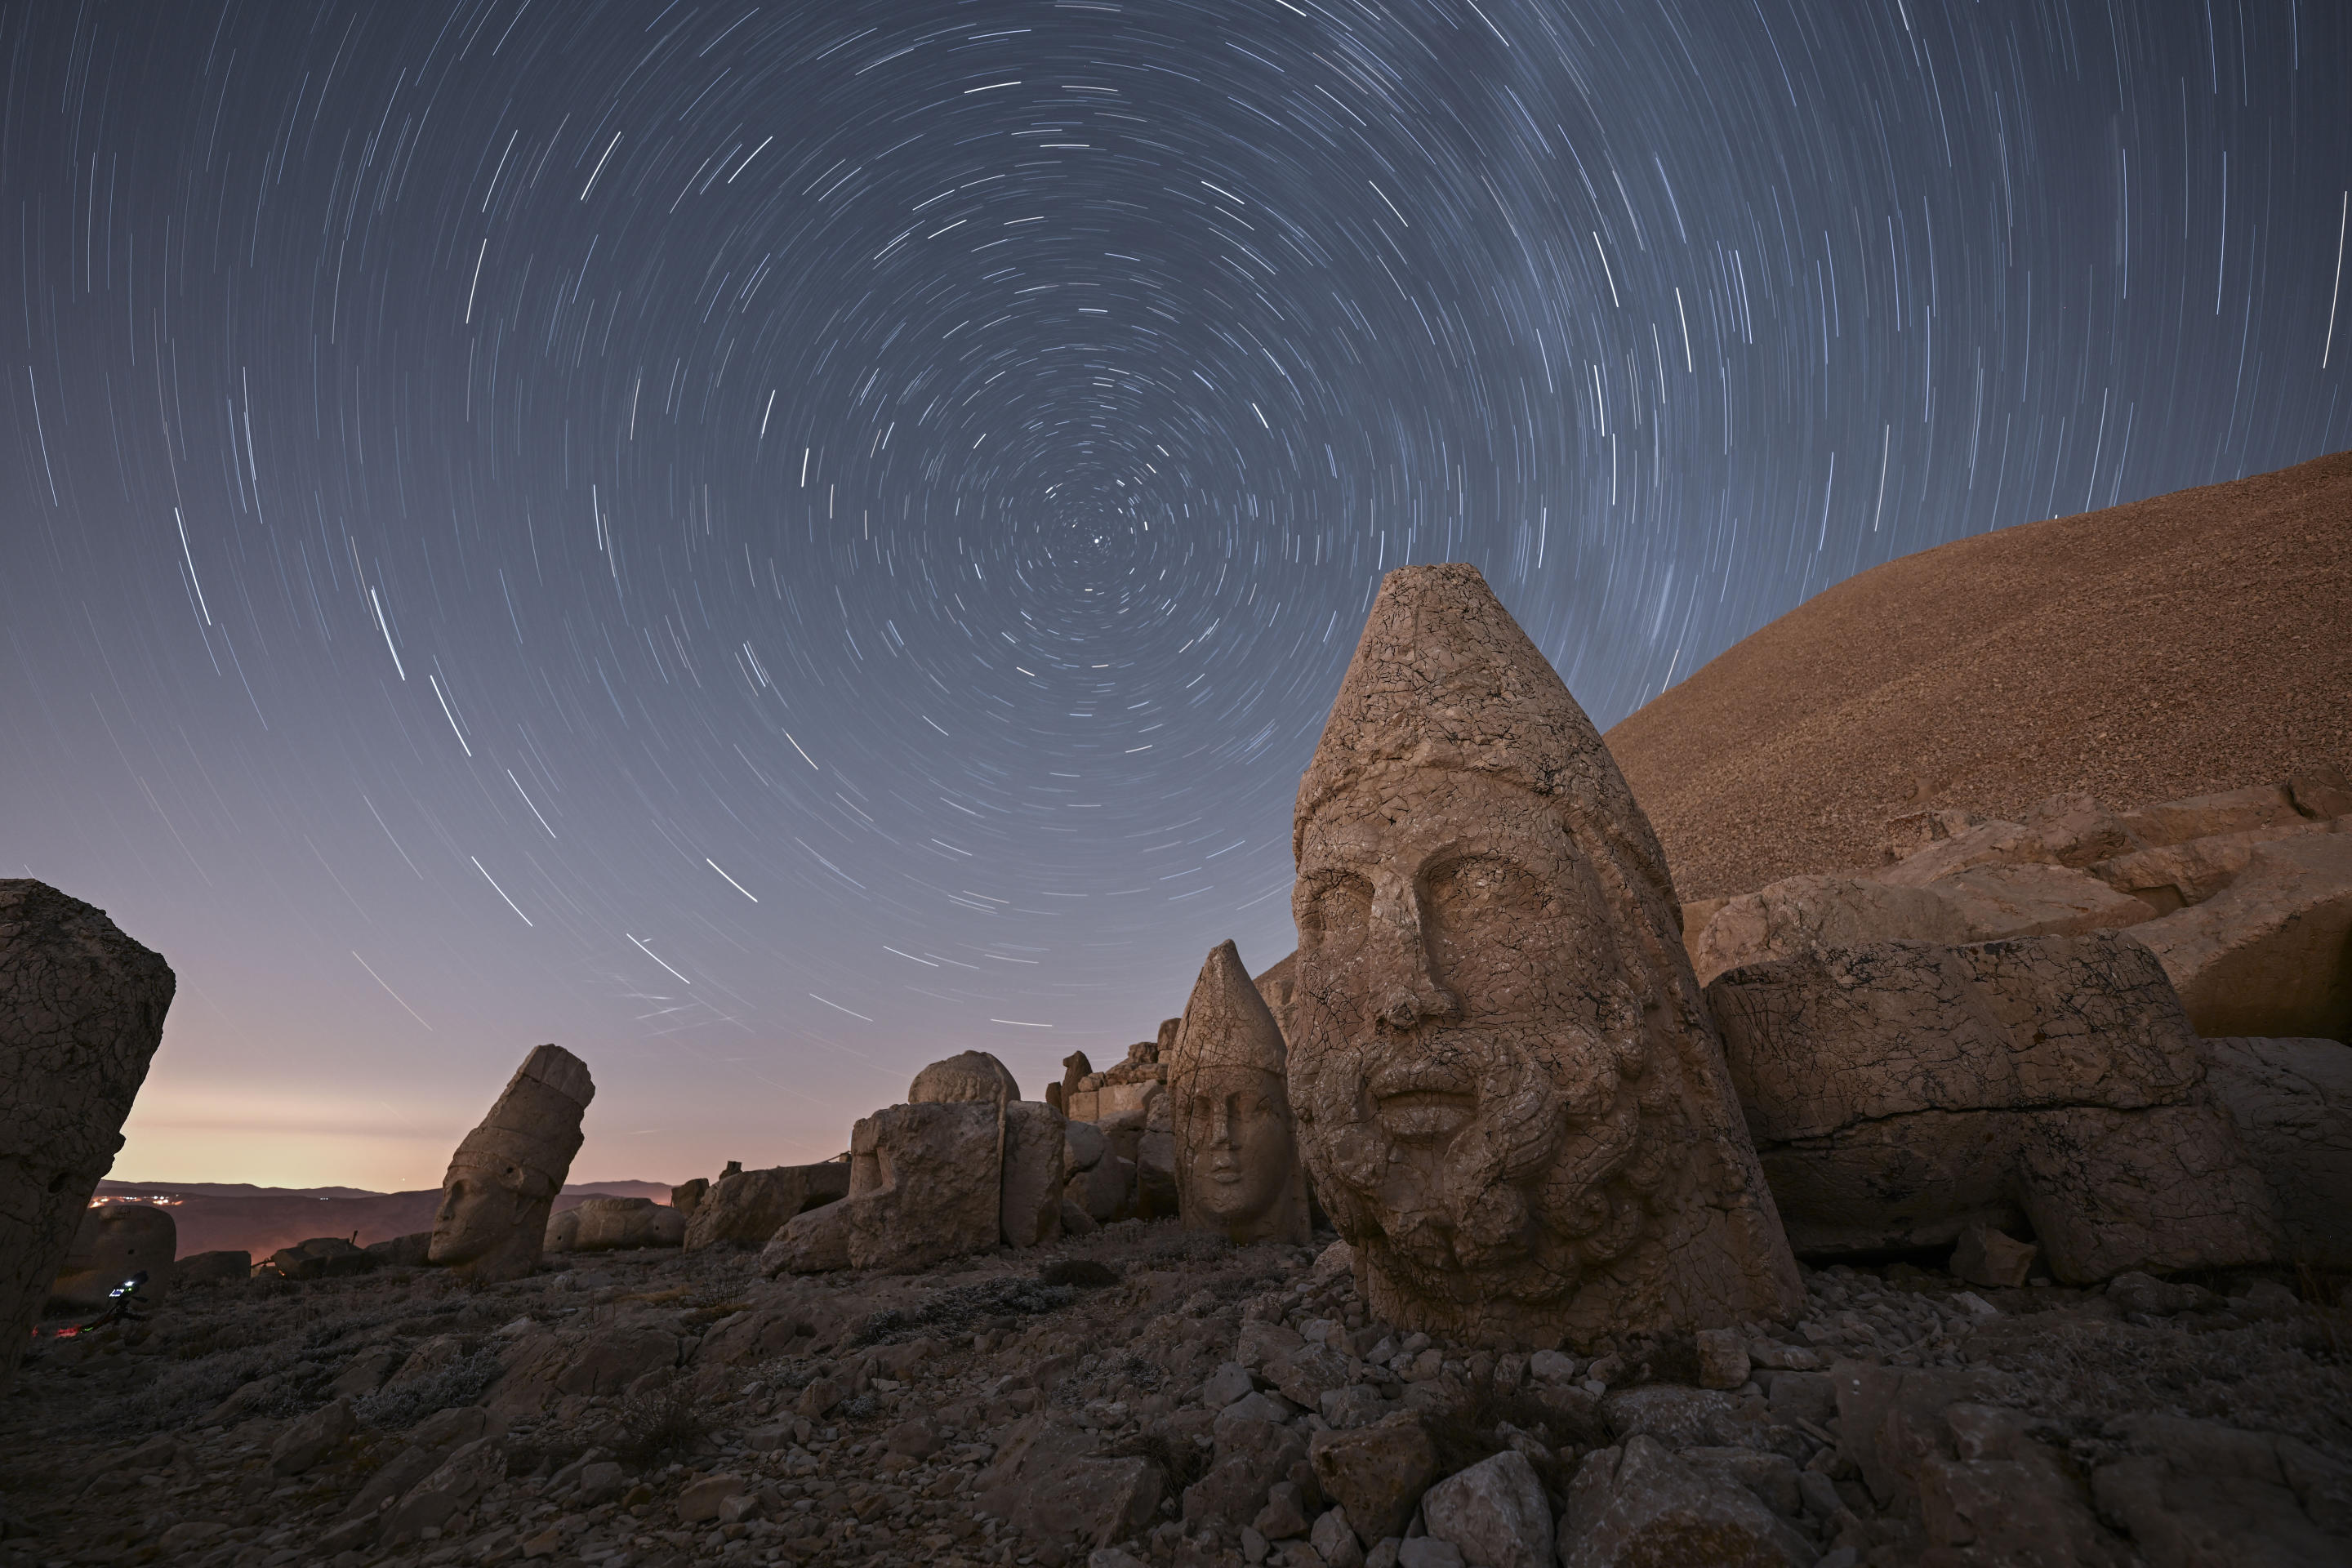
494,1201
1237,1164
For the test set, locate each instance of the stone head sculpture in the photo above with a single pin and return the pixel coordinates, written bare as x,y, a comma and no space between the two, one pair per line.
1237,1165
494,1201
1507,1089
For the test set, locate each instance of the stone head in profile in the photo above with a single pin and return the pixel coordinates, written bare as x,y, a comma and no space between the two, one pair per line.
1237,1166
1507,1086
505,1177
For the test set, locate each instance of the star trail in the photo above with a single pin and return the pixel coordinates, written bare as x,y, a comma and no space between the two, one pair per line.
770,544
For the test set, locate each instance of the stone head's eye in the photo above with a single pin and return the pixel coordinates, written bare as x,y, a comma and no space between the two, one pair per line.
1340,909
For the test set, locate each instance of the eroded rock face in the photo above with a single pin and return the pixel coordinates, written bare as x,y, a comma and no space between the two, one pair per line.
2292,1100
747,1207
81,1011
1236,1161
1509,1091
610,1224
968,1076
494,1201
1900,1092
1030,1200
2271,953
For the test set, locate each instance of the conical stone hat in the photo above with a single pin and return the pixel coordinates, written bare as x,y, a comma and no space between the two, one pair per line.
1227,1023
1443,678
535,1124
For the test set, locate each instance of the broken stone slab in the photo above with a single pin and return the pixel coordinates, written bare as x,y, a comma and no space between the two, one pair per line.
226,1266
1637,1504
1901,1091
1511,1098
1802,914
2198,1492
2292,1100
746,1208
1030,1202
925,1183
1984,844
1376,1474
2176,875
81,1012
2208,815
2271,955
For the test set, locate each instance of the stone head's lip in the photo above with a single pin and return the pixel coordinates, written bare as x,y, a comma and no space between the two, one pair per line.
1422,1100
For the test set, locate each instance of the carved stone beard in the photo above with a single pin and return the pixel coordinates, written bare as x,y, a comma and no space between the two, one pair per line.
1545,1181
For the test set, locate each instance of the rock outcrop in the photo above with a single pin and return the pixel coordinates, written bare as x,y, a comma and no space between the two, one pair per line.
1510,1096
1237,1164
81,1012
1900,1091
506,1173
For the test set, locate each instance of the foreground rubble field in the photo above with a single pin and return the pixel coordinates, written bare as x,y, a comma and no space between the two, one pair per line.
1141,1394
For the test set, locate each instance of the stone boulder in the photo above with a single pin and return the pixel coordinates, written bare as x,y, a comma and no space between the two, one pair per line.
1048,1480
925,1185
323,1258
81,1011
1636,1505
2271,955
746,1208
1900,1091
114,1243
1030,1200
2292,1100
968,1077
1495,1513
612,1225
227,1266
687,1196
1377,1473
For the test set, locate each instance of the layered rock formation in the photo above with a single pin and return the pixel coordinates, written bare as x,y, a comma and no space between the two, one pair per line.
1509,1093
1238,1171
81,1012
2168,648
1900,1091
506,1173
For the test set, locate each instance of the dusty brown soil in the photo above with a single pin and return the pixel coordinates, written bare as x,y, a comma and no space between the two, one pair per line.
2183,644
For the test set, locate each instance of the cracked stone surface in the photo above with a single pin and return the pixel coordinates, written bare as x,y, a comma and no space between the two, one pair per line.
81,1012
506,1173
1902,1092
1510,1096
1238,1171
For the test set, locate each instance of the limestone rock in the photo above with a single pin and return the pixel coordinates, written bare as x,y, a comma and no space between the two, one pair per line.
924,1186
1074,1066
1376,1474
1510,1096
1236,1151
113,1243
748,1207
2176,875
1802,914
1030,1200
609,1225
2271,954
2292,1100
81,1011
687,1196
1901,1091
1637,1504
1276,986
968,1077
323,1258
492,1222
1985,1256
1495,1513
1083,1146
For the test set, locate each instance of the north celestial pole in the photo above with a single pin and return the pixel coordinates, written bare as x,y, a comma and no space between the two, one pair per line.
773,543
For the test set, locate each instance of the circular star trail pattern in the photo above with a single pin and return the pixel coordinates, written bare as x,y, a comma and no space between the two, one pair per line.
773,543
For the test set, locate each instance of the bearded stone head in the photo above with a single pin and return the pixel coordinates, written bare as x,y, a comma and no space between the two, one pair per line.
1507,1088
504,1177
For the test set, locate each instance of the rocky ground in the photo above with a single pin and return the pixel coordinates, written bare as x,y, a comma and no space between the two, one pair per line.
1143,1395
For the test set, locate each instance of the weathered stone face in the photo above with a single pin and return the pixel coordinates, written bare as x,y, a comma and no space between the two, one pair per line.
1237,1166
81,1011
494,1201
1511,1097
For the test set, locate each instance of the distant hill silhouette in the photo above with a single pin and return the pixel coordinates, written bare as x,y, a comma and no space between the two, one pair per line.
2186,643
215,1216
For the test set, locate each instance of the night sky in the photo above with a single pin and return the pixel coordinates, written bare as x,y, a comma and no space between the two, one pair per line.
769,544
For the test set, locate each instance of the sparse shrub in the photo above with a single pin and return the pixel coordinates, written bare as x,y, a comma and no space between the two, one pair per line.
660,1424
963,1306
462,1381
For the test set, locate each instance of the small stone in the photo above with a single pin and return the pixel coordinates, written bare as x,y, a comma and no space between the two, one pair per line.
1987,1256
1495,1512
1722,1358
1428,1552
1551,1366
1284,1513
1229,1382
1254,1546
